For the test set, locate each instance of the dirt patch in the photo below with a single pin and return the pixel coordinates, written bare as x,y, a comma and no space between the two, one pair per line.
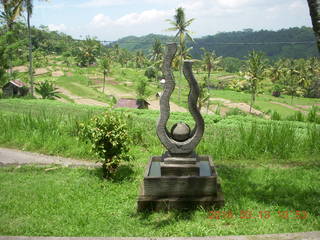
289,106
69,74
57,74
80,100
227,77
40,71
99,80
304,106
20,69
109,90
242,106
155,105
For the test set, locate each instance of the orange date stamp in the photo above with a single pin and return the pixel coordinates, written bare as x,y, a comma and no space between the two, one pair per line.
250,214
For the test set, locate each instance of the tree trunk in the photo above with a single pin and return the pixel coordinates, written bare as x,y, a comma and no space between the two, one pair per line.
30,55
208,85
180,78
104,80
314,7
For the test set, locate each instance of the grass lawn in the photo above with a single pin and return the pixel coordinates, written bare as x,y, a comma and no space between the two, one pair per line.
78,202
266,167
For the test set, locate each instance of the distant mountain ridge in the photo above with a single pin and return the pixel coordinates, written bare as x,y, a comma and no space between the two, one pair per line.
297,42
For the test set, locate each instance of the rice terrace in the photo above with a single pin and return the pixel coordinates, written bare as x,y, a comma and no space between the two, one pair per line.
207,127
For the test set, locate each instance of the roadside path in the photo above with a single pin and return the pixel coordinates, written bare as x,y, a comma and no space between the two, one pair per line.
285,236
16,157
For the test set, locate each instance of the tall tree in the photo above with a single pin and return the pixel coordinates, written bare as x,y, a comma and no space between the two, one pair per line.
211,61
105,66
314,7
28,6
156,57
180,24
256,65
11,10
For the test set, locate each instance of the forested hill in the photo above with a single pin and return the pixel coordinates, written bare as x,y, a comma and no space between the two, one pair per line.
238,44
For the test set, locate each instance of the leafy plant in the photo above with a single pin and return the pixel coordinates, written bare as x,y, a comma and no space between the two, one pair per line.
141,89
256,65
47,90
110,140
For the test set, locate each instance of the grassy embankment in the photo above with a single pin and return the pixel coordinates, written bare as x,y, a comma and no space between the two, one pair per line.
264,165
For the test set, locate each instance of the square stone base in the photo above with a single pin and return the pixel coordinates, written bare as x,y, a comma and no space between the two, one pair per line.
180,192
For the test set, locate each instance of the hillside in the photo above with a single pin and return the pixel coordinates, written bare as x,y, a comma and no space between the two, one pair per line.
238,44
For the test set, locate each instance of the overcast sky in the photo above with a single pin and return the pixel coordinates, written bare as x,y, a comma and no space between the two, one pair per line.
113,19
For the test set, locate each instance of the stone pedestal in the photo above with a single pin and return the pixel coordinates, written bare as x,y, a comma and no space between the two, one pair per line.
186,191
179,179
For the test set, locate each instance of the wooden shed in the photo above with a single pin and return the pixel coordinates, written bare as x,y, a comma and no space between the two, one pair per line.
132,103
15,88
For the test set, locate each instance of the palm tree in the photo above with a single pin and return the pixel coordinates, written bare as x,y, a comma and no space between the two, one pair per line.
314,7
256,65
210,60
156,56
28,5
105,65
11,11
156,51
180,24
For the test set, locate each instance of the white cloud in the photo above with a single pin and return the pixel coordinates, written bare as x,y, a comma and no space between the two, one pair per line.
57,27
148,16
102,3
143,17
233,3
211,16
101,20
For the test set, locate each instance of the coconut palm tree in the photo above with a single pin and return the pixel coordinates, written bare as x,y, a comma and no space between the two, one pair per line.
211,61
180,24
11,10
256,66
105,65
314,7
156,51
28,6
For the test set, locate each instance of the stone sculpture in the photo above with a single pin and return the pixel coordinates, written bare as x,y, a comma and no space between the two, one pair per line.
179,179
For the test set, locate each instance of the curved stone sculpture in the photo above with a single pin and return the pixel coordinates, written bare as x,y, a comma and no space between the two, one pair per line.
174,147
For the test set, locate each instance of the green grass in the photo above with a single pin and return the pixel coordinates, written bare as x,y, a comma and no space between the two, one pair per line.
263,165
52,127
263,101
78,202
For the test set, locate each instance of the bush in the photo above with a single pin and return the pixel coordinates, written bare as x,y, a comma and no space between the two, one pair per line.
47,90
110,139
275,116
313,115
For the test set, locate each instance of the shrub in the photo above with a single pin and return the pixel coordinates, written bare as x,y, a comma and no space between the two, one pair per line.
47,90
110,139
313,115
275,116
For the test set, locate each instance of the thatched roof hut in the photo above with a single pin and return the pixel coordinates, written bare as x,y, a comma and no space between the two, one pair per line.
15,88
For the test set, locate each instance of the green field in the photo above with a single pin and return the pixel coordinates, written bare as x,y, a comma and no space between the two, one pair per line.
266,168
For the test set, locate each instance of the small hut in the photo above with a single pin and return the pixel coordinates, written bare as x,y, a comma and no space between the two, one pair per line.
132,103
15,88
